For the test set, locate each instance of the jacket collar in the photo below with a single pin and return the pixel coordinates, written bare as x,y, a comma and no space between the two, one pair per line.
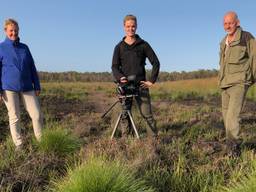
236,39
12,42
138,40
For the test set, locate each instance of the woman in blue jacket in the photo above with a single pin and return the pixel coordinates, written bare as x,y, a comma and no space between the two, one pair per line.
18,81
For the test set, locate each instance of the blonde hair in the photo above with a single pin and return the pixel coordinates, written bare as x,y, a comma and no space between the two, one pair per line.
130,17
10,22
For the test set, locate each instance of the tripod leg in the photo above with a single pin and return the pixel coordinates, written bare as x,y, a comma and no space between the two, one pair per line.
133,124
109,109
116,125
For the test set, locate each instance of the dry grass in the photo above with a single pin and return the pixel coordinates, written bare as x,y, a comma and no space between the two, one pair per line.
197,85
189,154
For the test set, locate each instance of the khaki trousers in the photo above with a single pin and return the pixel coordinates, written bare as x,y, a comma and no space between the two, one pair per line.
30,101
232,103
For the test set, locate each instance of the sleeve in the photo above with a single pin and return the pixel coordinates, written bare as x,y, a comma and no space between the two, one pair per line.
116,64
253,55
34,75
1,65
150,54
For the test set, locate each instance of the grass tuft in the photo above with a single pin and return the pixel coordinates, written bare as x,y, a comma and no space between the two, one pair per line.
59,142
245,183
98,175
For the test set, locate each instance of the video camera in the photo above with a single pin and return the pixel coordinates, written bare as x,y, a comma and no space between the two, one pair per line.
125,92
130,88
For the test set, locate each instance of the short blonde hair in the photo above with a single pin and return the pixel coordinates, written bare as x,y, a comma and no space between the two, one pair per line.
130,17
10,22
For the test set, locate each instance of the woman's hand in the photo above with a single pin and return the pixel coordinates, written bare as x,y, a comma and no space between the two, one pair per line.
37,92
1,96
123,80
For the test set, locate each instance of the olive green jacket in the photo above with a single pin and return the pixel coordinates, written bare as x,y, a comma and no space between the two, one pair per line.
237,63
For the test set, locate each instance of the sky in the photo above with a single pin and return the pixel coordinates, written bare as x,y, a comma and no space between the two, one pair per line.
80,35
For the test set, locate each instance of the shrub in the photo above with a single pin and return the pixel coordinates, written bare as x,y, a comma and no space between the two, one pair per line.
246,184
58,141
98,175
7,153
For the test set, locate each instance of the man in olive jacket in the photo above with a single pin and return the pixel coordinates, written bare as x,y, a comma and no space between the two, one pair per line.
236,72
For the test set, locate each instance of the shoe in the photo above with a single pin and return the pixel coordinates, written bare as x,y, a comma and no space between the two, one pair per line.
234,146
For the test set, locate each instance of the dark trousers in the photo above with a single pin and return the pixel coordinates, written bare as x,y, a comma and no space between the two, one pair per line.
144,105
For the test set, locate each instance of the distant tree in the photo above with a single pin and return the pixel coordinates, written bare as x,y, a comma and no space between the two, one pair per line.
73,76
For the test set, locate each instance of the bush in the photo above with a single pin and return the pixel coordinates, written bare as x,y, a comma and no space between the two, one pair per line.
58,141
98,175
7,153
246,184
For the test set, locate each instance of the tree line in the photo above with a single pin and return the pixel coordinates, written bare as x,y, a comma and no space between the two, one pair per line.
72,76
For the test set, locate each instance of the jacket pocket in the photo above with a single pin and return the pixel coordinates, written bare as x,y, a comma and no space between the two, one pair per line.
238,54
238,60
237,67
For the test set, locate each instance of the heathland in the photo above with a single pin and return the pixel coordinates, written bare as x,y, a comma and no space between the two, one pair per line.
77,154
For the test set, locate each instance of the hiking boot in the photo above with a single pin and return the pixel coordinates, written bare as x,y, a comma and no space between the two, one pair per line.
233,146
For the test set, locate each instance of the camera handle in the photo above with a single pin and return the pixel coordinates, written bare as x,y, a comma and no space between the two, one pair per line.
118,121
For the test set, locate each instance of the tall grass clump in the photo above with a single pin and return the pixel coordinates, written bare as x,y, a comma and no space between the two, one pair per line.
246,183
159,177
7,153
180,179
251,93
98,175
58,141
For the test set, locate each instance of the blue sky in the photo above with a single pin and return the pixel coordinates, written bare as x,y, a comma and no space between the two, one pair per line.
80,35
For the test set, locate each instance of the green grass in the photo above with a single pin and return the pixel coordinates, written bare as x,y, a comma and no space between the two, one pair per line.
57,140
99,175
68,91
248,184
7,153
251,94
188,115
243,179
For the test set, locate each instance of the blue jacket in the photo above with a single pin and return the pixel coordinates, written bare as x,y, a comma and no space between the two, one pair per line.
17,69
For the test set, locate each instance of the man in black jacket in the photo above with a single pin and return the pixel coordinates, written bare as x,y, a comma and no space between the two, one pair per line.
129,59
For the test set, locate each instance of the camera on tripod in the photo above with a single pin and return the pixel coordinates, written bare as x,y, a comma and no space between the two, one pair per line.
129,88
126,91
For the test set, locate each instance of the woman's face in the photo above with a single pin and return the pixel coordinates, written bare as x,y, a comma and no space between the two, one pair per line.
12,32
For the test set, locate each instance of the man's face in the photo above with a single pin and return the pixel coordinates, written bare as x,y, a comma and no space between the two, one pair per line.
12,32
230,24
130,27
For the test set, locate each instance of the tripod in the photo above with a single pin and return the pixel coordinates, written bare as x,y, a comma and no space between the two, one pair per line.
126,102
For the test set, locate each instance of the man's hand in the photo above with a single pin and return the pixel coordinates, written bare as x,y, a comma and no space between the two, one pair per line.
145,84
123,80
37,93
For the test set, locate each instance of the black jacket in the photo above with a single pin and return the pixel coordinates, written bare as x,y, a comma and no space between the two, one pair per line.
130,60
